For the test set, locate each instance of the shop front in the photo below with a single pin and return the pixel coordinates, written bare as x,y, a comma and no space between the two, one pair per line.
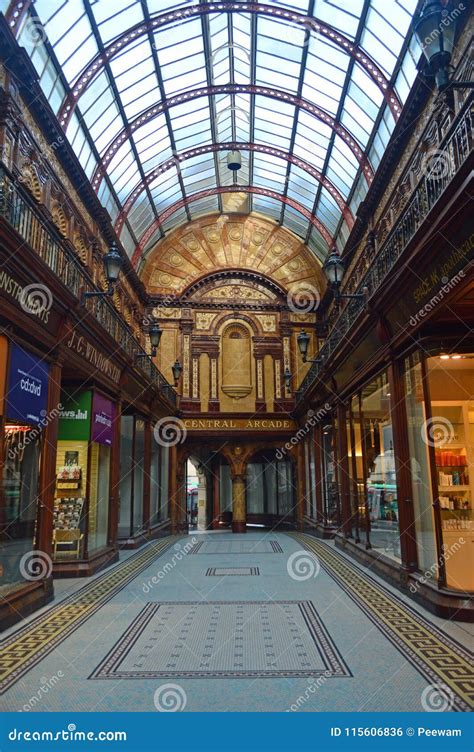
403,446
144,482
440,420
24,383
82,536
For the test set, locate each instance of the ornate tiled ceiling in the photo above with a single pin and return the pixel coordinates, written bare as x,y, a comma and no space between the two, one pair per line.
197,249
152,94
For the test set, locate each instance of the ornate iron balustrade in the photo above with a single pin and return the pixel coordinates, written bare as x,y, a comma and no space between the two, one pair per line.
452,153
19,211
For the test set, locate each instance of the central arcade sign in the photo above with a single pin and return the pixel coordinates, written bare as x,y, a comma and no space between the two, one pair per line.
239,424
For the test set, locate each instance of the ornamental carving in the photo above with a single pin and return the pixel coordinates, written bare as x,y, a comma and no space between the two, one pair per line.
204,320
236,292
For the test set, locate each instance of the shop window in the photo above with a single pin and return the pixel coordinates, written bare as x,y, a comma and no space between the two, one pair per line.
422,492
23,395
164,484
331,511
312,475
21,461
155,475
132,469
379,461
126,476
269,488
138,470
355,468
82,494
449,435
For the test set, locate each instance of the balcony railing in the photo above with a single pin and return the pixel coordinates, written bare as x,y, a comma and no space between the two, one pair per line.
452,153
20,212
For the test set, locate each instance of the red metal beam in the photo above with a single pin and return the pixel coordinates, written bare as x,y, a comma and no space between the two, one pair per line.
129,36
228,189
205,91
14,14
178,159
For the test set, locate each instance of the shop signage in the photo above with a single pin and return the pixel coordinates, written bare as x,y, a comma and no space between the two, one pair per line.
103,414
27,394
239,424
101,362
75,417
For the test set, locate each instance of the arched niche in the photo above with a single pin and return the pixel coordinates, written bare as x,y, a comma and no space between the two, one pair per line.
236,360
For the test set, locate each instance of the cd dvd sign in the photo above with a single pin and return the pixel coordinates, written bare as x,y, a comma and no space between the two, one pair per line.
27,390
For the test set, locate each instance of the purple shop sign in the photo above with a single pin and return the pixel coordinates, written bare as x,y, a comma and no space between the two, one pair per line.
103,414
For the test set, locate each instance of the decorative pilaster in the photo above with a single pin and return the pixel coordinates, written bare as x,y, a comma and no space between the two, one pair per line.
239,509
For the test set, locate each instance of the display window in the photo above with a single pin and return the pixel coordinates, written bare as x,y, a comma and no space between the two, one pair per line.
379,468
132,474
82,498
442,399
269,488
331,511
24,404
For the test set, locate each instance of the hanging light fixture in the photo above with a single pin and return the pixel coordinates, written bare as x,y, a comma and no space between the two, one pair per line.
234,160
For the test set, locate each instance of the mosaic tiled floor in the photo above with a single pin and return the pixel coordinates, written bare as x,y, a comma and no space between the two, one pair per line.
29,645
241,639
233,572
246,546
430,650
367,649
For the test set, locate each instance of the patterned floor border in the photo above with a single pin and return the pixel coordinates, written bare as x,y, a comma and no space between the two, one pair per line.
29,645
275,546
233,572
438,657
333,664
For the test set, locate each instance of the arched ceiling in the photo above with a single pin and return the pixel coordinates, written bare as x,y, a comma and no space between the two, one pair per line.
153,93
223,244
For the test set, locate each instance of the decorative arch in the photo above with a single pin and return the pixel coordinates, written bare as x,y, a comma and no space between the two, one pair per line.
205,91
178,159
130,35
148,234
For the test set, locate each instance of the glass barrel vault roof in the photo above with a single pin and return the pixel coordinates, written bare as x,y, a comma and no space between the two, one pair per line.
152,94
